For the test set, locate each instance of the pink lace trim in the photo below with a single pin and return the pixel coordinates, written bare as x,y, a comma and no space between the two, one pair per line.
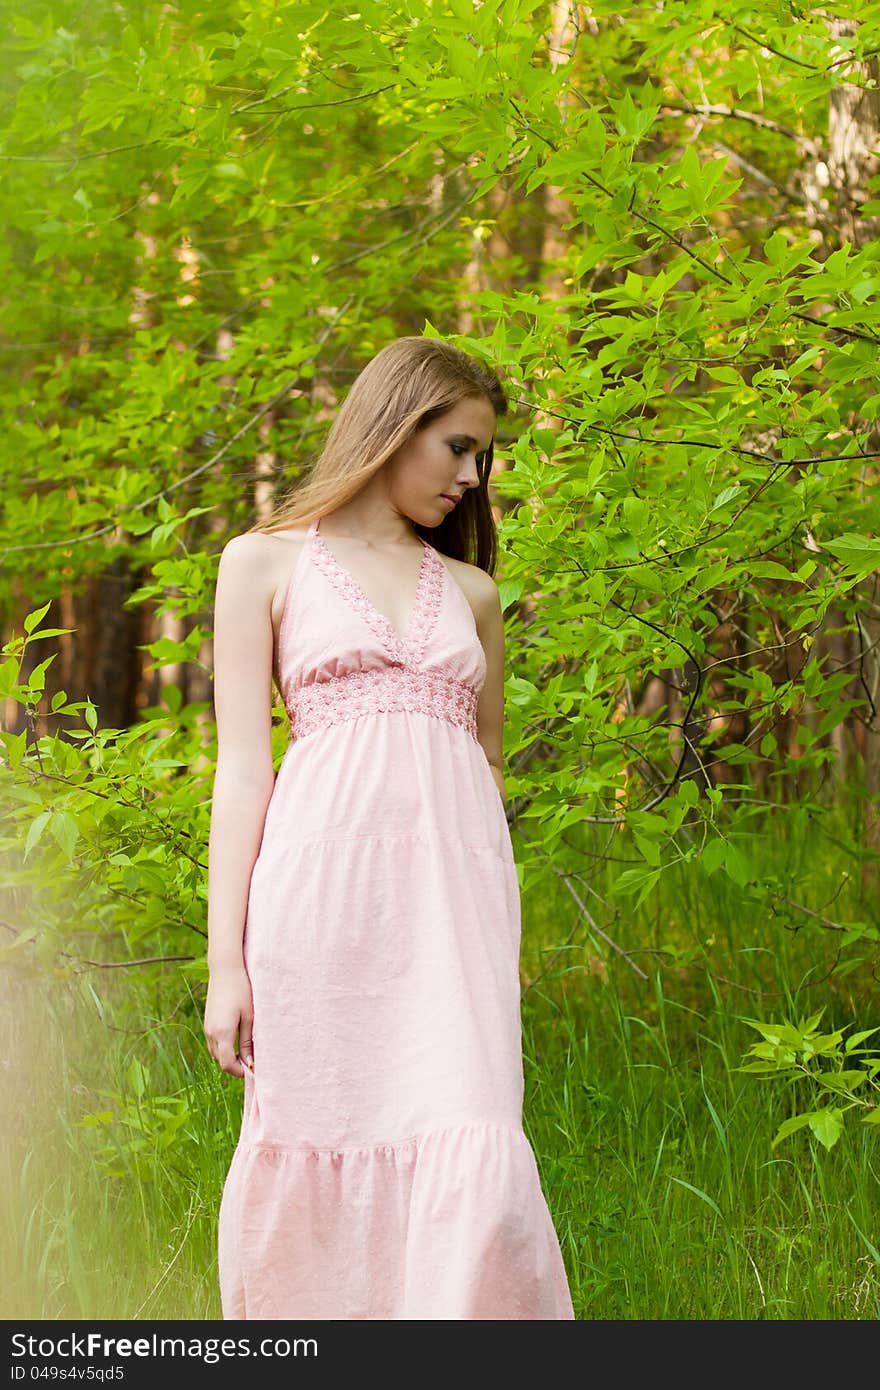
383,691
426,608
426,613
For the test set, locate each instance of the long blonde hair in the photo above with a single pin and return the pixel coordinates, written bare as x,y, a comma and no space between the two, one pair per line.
404,387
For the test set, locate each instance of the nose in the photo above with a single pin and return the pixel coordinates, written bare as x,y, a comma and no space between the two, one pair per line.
468,477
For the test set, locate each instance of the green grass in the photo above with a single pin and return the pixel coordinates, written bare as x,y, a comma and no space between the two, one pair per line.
667,1196
655,1153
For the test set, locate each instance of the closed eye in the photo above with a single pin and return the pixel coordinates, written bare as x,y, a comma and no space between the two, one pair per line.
461,449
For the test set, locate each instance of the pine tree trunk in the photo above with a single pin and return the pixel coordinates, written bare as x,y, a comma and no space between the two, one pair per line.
853,161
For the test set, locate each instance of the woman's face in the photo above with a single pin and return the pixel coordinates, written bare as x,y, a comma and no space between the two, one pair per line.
440,461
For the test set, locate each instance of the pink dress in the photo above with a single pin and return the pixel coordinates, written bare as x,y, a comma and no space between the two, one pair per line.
382,1170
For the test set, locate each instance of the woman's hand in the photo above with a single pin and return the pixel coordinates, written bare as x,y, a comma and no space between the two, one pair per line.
229,1010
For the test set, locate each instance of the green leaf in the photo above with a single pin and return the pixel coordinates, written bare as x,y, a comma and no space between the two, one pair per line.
714,854
738,865
726,495
509,591
860,555
776,1032
704,1196
827,1125
649,848
15,746
35,830
32,619
638,881
843,1082
790,1126
775,248
138,1078
65,830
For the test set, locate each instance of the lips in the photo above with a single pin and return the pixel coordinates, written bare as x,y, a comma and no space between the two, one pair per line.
449,498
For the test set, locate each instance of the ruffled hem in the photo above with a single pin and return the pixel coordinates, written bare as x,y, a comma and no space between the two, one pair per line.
447,1225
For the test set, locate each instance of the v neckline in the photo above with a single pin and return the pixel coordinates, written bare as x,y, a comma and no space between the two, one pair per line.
352,589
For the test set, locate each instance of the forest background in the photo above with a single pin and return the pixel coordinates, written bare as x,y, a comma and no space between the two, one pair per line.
659,224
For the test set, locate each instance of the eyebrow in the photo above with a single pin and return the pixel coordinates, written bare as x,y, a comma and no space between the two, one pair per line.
469,439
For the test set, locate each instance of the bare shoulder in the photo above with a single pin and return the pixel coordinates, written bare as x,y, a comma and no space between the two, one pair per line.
479,588
245,552
261,558
252,549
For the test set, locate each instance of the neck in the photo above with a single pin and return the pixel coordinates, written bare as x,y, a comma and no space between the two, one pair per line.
375,524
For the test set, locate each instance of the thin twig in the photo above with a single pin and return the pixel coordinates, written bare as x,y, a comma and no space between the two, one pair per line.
151,1293
558,952
203,467
826,921
594,926
122,964
811,147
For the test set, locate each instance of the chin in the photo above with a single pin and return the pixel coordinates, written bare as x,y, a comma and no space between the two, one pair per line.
431,517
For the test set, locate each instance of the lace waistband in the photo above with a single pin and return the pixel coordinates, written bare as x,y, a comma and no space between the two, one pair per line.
383,691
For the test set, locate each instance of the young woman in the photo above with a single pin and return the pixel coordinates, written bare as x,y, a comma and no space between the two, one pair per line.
364,911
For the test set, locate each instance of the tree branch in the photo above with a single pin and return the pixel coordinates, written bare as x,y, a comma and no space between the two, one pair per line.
811,147
122,964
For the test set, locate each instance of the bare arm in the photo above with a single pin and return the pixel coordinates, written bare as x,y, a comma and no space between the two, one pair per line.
490,709
243,784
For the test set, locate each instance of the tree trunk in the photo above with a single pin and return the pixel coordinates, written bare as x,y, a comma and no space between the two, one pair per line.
853,162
